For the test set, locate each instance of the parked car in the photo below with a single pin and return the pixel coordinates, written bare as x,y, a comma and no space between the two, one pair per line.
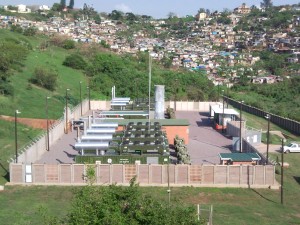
291,147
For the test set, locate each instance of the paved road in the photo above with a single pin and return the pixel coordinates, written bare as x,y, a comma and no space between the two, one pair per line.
205,143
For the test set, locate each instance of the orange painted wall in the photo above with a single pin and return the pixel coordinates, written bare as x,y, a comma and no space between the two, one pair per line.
181,131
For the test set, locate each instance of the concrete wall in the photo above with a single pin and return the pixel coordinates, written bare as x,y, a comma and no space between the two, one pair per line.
180,105
189,106
34,150
100,105
147,175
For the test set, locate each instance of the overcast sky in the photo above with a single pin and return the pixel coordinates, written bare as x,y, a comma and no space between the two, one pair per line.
155,8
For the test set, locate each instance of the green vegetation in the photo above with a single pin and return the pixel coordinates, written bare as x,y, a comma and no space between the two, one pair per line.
130,76
44,78
26,56
231,205
281,98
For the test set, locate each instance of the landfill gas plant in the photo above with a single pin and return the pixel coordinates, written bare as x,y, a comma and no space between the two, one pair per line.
137,142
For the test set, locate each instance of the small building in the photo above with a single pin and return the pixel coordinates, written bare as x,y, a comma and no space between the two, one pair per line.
222,115
239,158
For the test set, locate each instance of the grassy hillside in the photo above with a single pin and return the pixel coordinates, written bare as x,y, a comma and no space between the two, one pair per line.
30,99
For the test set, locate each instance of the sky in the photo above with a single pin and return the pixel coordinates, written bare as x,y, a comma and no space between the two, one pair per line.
154,8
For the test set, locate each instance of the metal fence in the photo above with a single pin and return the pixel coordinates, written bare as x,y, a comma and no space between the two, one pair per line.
286,123
259,176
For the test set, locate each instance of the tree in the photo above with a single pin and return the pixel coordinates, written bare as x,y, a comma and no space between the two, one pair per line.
62,4
171,15
116,15
126,205
56,7
130,17
71,4
201,10
266,4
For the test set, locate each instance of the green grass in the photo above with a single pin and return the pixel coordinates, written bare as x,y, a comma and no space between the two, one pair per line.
7,143
262,124
30,99
231,205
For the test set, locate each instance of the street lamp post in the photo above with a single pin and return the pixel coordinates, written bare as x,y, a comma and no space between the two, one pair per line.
282,161
16,134
169,190
67,129
80,97
218,91
227,94
47,117
89,96
268,117
150,64
241,141
223,115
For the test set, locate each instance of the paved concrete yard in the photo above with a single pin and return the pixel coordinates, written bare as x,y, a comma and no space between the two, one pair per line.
205,143
62,151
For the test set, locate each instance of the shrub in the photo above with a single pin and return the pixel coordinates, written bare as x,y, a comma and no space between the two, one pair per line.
44,78
31,31
68,44
6,88
75,61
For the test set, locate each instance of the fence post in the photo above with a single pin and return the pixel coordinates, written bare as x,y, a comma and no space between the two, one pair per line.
110,173
123,173
254,175
241,173
189,174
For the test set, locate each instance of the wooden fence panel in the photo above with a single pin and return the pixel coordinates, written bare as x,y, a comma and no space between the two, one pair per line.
79,172
103,176
117,175
65,173
143,174
17,174
182,174
38,175
234,175
208,174
51,173
156,174
220,175
195,174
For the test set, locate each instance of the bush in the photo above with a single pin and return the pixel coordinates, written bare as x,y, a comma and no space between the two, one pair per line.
6,88
44,78
75,61
68,44
31,31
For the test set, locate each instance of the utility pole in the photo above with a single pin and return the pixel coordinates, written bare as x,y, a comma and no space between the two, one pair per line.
282,161
268,117
241,141
47,116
